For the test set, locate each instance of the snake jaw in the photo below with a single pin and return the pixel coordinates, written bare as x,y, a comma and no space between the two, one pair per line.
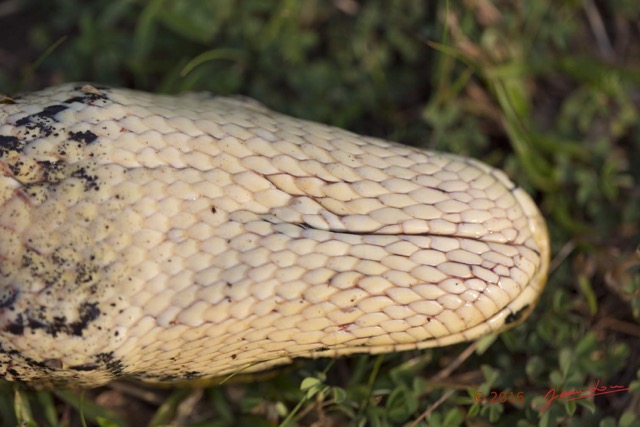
522,307
172,238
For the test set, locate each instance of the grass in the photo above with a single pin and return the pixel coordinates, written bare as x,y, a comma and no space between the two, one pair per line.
547,90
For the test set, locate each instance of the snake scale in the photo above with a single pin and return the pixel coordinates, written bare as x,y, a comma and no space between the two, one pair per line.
176,237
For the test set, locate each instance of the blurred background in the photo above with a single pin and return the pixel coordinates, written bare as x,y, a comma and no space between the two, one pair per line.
548,90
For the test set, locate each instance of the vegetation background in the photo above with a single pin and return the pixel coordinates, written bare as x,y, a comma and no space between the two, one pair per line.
548,90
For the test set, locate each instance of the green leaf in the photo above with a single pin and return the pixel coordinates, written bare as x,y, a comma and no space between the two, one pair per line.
339,394
211,55
608,422
587,345
47,406
104,422
629,419
145,33
309,382
89,409
485,343
165,413
196,20
589,294
454,418
566,359
22,408
491,375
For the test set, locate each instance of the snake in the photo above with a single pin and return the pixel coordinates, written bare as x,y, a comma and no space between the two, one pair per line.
167,238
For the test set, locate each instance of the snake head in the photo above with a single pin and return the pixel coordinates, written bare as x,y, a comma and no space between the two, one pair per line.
170,238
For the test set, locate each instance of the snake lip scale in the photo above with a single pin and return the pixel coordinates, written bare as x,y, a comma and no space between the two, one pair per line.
170,238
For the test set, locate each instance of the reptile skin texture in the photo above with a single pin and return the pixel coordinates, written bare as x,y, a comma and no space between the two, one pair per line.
177,237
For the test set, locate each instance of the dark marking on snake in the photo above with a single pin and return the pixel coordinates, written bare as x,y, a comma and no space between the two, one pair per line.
514,317
16,327
87,136
35,319
87,98
31,363
44,121
113,365
192,375
8,297
10,143
52,171
47,113
90,181
85,367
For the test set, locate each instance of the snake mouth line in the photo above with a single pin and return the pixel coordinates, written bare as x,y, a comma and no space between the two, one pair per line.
306,226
